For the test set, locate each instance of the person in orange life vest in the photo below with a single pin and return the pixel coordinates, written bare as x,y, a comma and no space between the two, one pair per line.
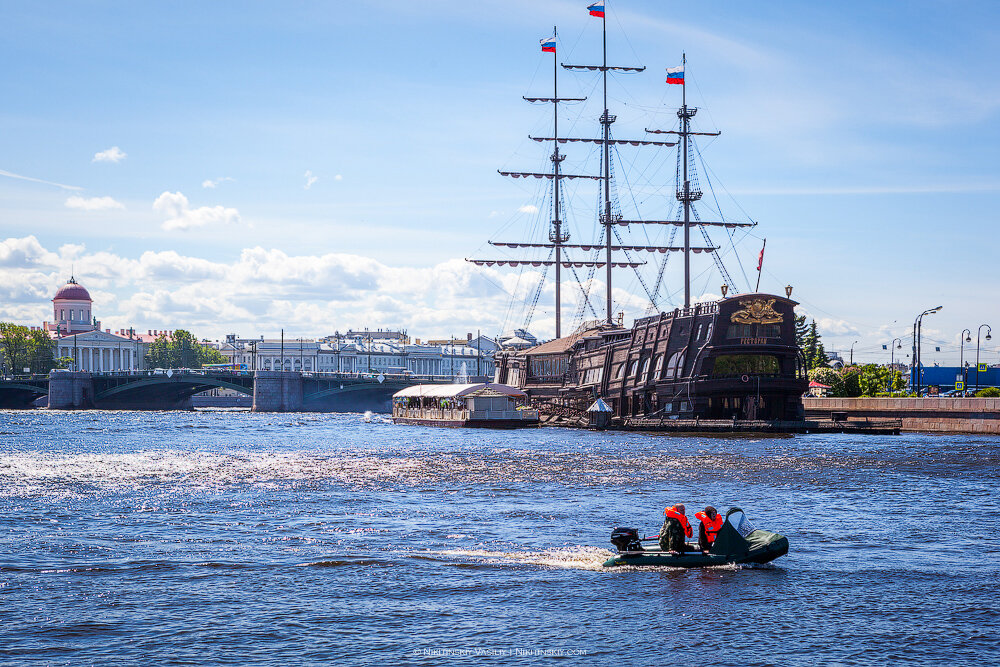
711,522
675,528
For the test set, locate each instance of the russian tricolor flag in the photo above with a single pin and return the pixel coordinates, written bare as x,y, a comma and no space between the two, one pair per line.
597,9
675,75
548,44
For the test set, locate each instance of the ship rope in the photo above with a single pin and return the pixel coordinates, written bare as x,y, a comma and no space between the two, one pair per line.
663,265
516,304
538,291
585,291
731,233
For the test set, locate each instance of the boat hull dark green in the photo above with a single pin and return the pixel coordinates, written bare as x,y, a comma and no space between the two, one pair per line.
737,544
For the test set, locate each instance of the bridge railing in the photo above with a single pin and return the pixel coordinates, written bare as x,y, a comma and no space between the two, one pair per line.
217,372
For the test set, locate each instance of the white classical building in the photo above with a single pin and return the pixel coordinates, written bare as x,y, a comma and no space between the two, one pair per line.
356,352
267,354
78,336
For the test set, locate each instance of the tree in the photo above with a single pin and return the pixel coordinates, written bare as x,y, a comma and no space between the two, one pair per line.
209,355
851,376
874,380
21,348
808,339
181,351
63,362
818,353
801,331
829,377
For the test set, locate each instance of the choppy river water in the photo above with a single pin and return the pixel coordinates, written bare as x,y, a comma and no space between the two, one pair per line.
238,538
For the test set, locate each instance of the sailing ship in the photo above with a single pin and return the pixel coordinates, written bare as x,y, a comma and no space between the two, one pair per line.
732,358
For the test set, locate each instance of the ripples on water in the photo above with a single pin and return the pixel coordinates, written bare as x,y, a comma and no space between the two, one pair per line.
229,537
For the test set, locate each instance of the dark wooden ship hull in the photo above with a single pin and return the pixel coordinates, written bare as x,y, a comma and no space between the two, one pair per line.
733,359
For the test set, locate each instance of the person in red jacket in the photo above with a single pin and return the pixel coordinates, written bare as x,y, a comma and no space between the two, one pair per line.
675,528
711,522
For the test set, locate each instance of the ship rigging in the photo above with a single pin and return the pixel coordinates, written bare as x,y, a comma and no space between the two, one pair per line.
687,191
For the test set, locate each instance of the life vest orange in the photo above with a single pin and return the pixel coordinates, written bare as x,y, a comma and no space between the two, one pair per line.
674,514
712,526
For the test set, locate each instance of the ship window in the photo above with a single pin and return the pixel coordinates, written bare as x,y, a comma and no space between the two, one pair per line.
754,331
729,365
675,365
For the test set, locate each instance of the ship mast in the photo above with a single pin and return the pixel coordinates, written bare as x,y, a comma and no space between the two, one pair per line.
556,235
557,238
685,117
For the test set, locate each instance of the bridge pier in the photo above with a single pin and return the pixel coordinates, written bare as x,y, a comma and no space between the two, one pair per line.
69,390
277,391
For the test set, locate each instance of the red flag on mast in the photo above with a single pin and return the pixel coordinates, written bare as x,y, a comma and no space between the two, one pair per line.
760,264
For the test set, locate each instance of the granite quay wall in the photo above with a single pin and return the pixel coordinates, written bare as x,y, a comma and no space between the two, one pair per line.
942,415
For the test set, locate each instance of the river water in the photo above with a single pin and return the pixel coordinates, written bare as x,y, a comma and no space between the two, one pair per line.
236,538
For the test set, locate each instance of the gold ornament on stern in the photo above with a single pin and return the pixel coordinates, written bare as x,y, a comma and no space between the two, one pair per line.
757,311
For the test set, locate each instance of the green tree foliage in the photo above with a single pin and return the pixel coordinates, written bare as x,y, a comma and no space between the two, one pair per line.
853,381
63,363
829,377
21,348
874,380
989,392
808,339
181,351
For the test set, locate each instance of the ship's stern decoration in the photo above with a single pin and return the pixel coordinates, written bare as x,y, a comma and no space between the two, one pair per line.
757,311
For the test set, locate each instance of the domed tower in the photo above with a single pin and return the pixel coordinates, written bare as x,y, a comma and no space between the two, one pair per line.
72,309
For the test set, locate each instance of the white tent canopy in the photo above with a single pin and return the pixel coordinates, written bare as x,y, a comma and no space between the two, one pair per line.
456,390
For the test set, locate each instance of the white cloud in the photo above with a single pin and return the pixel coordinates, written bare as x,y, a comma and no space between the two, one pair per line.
528,208
338,177
265,289
310,179
25,252
181,216
113,154
93,203
209,183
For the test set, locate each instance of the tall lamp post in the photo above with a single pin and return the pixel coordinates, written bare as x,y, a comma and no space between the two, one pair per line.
966,338
896,344
978,333
915,361
852,352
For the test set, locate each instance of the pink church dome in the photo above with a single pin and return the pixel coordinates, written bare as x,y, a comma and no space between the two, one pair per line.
74,291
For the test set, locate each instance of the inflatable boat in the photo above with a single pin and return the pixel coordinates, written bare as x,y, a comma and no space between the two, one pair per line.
738,541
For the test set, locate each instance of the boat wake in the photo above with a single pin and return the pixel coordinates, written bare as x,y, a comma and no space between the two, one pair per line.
574,557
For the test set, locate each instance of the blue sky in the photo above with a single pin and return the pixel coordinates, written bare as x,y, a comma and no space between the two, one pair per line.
318,166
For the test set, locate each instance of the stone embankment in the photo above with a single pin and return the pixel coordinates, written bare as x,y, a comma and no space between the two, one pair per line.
942,415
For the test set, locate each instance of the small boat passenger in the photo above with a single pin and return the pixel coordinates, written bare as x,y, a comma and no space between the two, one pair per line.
711,523
675,528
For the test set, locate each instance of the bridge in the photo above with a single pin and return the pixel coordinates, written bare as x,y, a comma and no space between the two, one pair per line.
272,391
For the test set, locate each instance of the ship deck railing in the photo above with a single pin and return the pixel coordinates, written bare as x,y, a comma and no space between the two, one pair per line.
444,414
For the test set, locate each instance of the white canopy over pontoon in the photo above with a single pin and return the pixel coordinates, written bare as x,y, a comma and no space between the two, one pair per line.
457,390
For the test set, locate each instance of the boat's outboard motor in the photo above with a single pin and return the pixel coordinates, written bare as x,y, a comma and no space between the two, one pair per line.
626,539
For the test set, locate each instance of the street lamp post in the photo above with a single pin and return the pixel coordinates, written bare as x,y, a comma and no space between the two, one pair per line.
896,344
978,333
915,361
966,338
852,352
